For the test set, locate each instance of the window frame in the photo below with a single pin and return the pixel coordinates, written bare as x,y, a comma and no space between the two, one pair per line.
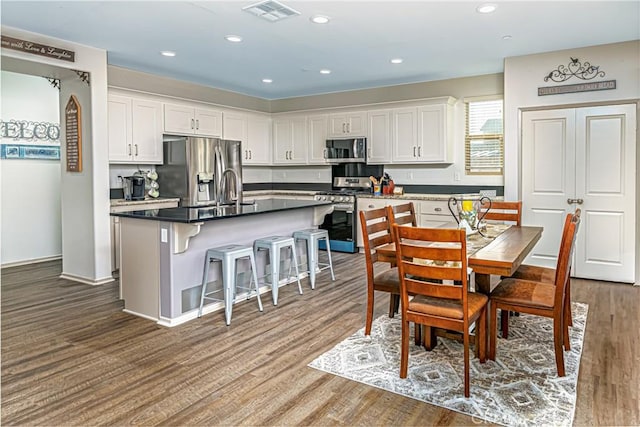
469,138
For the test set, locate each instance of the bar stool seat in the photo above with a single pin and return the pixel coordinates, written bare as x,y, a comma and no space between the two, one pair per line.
312,236
274,244
228,255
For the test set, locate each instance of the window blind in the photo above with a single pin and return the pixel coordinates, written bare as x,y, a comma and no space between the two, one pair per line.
484,138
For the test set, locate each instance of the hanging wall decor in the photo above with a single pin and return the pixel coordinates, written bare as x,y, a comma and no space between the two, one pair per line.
579,70
73,132
38,49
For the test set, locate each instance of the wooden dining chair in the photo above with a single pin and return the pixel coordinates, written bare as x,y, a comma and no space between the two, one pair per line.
441,255
404,214
376,231
542,274
504,211
540,298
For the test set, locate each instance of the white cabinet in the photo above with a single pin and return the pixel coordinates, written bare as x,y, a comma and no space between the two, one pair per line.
434,213
187,120
379,141
422,134
254,130
348,124
135,130
290,141
318,127
368,203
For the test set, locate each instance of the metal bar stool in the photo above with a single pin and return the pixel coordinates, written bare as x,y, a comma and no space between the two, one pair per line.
312,236
274,244
228,255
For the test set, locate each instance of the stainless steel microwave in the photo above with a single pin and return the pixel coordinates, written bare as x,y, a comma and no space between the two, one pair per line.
346,150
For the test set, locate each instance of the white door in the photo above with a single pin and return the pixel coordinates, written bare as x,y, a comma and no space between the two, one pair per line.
208,122
379,142
582,158
404,135
147,131
317,139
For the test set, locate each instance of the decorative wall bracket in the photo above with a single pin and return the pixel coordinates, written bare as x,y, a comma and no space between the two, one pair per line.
54,82
576,69
182,233
83,76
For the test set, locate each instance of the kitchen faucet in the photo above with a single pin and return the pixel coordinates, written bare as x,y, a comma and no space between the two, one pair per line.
238,187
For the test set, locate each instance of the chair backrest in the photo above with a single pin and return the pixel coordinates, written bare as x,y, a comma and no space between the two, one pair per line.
505,211
376,231
426,257
403,214
565,256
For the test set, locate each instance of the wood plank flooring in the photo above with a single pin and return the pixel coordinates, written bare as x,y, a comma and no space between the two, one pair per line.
70,356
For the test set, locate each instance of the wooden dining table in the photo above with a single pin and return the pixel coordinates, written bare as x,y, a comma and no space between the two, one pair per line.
500,257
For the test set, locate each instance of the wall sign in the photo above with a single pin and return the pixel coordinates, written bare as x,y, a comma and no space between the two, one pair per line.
42,152
38,49
23,130
73,130
580,87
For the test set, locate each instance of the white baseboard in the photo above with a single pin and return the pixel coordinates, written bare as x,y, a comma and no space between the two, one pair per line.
87,281
31,261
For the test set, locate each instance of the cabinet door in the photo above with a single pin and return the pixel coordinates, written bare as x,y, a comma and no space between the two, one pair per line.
179,119
281,141
357,124
379,141
299,146
208,122
259,140
337,125
119,127
147,131
317,139
234,126
433,139
404,135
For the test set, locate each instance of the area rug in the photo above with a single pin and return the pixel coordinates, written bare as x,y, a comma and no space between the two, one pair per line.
521,388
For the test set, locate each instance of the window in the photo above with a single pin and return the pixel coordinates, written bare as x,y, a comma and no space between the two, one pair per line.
484,138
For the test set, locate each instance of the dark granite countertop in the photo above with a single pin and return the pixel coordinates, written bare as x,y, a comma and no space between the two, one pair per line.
210,213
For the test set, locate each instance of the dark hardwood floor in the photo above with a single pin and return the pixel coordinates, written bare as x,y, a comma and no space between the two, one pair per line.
70,356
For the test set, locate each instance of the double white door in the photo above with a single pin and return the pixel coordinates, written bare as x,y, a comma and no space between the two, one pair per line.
583,158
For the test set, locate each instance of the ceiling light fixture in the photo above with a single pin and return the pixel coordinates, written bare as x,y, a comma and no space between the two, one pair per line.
506,37
396,61
319,19
168,53
233,39
486,8
267,81
325,71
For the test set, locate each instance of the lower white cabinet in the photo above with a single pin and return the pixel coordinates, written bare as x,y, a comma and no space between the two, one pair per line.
135,130
368,203
433,213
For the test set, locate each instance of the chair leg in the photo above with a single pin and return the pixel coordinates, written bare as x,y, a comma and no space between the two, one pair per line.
466,363
392,305
493,330
418,334
565,329
404,354
504,323
430,339
557,343
369,321
567,303
481,335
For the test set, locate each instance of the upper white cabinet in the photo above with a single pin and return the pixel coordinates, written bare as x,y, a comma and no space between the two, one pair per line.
185,120
290,140
254,130
348,124
422,134
135,130
317,128
379,141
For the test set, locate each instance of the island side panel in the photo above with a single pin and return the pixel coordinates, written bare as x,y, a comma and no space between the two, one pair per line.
140,267
186,268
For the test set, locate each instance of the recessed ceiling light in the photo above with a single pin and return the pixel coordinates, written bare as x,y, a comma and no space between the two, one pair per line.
506,37
319,19
396,61
325,71
267,81
486,8
234,39
167,53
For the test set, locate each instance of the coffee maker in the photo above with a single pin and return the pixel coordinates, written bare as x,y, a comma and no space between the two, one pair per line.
133,187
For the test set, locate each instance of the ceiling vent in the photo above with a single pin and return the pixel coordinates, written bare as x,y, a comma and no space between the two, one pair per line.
271,10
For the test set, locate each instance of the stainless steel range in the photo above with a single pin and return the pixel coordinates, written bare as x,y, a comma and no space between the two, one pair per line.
341,223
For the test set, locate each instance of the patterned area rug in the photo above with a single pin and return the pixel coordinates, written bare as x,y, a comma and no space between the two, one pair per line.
521,388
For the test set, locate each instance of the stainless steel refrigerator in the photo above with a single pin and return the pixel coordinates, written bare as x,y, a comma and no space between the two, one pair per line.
201,171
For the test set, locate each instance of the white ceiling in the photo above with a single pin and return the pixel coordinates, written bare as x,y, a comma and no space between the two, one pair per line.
436,39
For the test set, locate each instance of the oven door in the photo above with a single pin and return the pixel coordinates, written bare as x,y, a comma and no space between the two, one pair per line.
341,227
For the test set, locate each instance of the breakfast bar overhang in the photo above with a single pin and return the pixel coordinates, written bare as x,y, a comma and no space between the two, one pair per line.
162,250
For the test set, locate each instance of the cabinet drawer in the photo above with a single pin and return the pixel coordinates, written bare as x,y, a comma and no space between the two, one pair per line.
435,207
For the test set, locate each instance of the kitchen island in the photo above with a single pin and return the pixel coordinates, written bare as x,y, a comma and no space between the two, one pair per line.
162,251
